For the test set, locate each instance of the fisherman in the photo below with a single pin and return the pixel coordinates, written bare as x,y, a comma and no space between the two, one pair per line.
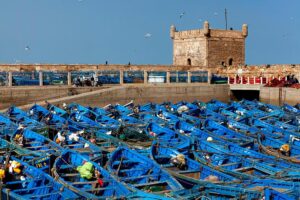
99,183
48,105
78,82
182,109
65,107
151,132
14,167
60,138
179,161
73,137
93,81
92,140
2,173
285,150
19,139
136,109
19,135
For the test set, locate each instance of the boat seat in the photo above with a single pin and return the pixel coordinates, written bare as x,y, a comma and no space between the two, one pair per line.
65,166
243,169
44,195
98,189
190,171
91,182
128,170
149,184
229,164
162,157
34,188
70,175
18,182
139,177
167,165
124,162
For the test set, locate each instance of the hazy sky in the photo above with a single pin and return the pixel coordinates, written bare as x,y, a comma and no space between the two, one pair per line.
93,31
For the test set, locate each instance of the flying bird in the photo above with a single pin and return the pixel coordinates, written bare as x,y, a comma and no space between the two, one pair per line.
147,35
27,48
181,15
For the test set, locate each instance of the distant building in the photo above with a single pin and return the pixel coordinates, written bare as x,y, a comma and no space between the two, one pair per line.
209,47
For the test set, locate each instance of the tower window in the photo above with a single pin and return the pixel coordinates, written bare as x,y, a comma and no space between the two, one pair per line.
189,61
230,61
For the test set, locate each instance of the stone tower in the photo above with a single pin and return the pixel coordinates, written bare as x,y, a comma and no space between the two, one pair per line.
209,47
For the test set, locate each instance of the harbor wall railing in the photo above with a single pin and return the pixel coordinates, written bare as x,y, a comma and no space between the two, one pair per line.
41,75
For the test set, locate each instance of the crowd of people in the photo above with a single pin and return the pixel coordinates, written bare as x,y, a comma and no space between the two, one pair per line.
91,81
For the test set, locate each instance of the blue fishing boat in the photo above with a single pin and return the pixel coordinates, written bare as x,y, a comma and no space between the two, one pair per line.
57,111
219,129
242,166
7,126
107,122
38,112
130,121
82,122
99,111
75,141
32,183
279,149
34,142
140,172
289,108
86,177
188,171
211,147
279,188
273,194
84,111
168,137
214,191
124,109
148,118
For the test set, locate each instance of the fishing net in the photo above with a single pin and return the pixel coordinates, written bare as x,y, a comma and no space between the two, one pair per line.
131,134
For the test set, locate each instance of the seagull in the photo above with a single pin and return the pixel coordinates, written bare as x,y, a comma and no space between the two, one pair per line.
27,48
181,15
147,35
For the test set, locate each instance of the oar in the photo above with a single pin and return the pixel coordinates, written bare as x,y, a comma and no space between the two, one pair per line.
119,167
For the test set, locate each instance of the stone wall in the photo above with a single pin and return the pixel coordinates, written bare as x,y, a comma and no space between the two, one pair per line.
221,50
25,95
209,47
278,96
193,49
148,93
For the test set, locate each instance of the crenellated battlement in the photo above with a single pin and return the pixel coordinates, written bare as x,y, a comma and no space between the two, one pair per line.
189,34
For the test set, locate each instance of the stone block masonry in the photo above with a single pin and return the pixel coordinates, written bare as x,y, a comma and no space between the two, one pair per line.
209,47
156,93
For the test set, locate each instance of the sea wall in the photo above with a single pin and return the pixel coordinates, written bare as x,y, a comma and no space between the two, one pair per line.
25,95
278,96
157,93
